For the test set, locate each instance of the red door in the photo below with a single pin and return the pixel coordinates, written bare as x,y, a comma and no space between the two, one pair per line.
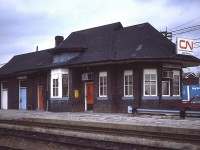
40,97
89,96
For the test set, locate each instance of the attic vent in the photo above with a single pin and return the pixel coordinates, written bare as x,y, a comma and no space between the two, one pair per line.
167,74
139,47
86,76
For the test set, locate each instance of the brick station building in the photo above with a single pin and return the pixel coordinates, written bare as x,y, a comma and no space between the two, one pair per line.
101,69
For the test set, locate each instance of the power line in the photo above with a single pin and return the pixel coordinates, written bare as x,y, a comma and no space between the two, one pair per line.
185,30
186,23
180,31
196,26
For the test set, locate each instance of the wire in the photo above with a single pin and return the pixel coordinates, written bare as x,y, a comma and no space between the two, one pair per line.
185,30
196,26
186,23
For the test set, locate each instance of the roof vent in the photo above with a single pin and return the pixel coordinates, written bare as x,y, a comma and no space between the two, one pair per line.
139,47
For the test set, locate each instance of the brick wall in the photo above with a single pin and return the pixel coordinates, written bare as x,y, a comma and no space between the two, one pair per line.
59,105
31,84
190,81
116,102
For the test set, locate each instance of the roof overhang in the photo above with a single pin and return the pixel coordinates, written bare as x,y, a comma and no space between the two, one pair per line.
183,62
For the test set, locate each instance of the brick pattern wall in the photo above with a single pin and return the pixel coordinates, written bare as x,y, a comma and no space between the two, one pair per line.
153,104
59,105
190,81
75,81
116,102
13,93
31,84
170,104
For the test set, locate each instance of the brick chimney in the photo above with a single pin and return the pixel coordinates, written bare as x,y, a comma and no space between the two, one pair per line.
58,40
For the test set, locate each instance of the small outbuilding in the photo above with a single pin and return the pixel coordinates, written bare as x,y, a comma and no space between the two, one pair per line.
101,69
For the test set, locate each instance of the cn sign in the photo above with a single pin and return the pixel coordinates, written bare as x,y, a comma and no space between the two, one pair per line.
184,46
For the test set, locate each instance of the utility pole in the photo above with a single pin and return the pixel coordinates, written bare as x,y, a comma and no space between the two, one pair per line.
167,34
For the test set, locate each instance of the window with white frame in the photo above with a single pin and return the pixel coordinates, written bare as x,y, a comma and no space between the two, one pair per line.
59,83
103,84
165,88
128,83
176,83
65,85
55,87
150,82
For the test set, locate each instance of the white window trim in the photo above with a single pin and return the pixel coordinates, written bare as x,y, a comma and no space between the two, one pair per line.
128,73
168,88
103,74
176,72
150,71
53,87
57,74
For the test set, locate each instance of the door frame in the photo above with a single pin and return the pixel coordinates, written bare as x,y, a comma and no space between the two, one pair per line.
20,97
4,89
20,94
2,95
86,109
2,99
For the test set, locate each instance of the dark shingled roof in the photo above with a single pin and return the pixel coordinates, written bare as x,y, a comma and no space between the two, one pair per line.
108,43
27,62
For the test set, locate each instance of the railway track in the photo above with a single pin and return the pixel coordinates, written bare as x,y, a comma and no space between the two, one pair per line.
65,143
87,143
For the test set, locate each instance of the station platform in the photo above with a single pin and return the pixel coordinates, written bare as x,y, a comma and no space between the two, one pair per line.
155,124
116,118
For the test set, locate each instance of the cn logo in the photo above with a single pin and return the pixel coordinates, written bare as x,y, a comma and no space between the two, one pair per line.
186,44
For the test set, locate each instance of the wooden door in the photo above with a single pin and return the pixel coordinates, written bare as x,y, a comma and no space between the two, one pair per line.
89,96
40,97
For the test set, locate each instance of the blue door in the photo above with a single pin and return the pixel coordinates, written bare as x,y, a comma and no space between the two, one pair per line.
22,99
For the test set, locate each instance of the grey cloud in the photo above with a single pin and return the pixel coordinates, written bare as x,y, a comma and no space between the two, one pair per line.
27,23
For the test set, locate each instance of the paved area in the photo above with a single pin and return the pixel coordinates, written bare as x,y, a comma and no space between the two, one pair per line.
117,118
146,123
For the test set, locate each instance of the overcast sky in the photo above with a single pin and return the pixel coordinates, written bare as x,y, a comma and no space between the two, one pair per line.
25,24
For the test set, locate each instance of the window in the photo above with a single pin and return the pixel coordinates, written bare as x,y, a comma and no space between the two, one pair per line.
128,83
65,84
103,84
165,88
150,82
64,57
196,100
59,83
55,87
176,83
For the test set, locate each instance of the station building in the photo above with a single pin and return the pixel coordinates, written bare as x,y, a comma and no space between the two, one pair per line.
102,69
